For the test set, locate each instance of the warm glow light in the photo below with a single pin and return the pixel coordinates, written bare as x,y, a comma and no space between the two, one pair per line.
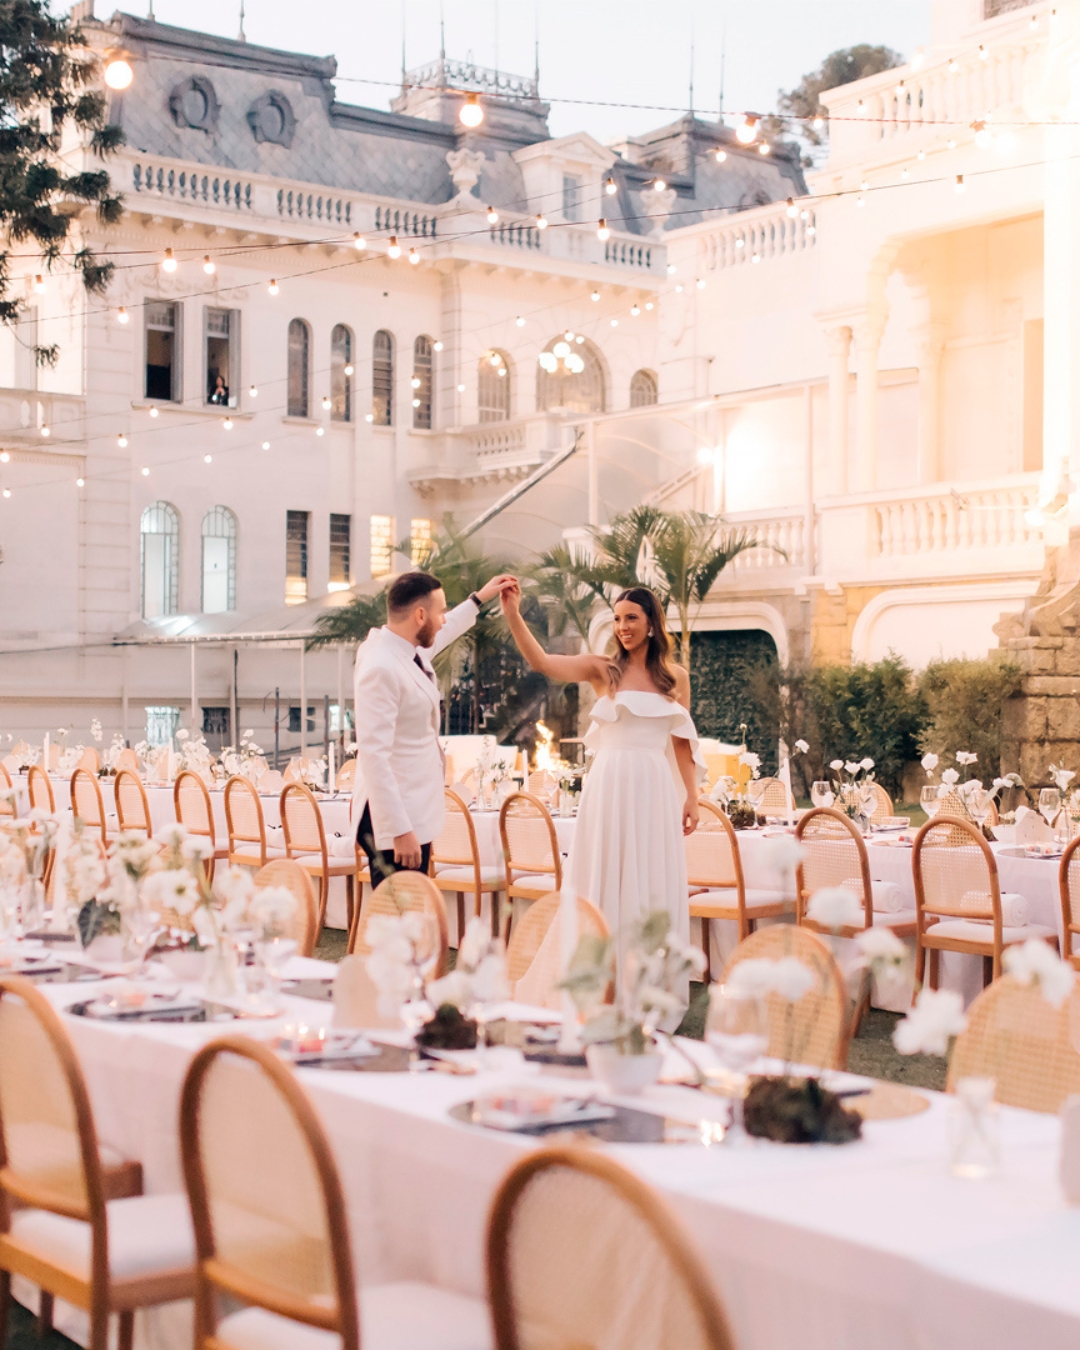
649,304
7,492
348,370
436,346
611,187
369,417
950,143
253,392
706,456
595,295
818,123
740,242
495,359
359,242
860,200
602,231
983,53
635,310
921,154
461,388
80,482
146,473
542,757
168,263
266,445
39,284
701,283
960,185
414,257
756,258
122,441
415,381
671,269
209,266
471,114
492,216
746,131
122,315
416,403
579,339
273,288
954,66
864,185
228,424
118,73
541,222
520,321
721,155
984,137
764,148
792,209
614,323
659,185
326,403
153,412
5,456
561,349
46,431
678,290
393,249
208,459
320,431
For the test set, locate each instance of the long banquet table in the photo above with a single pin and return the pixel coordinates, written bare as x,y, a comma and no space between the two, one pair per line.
871,1244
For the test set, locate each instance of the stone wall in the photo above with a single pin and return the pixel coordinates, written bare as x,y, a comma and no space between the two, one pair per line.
1041,725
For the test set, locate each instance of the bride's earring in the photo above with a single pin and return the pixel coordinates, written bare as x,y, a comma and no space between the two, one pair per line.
649,633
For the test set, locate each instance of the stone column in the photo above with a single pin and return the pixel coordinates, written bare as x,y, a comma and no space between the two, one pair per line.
839,346
867,334
931,346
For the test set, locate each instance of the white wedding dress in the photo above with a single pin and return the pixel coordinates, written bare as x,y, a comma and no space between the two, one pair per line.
627,856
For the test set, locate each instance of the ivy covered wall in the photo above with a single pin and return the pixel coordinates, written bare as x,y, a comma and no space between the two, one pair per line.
725,689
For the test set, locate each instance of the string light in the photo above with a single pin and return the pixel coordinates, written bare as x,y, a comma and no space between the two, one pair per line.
393,249
46,430
228,424
921,155
80,482
746,131
520,321
818,122
595,296
471,114
266,445
635,310
860,200
437,346
118,73
122,315
273,288
492,216
209,266
569,335
864,186
122,441
660,185
461,388
740,242
414,257
369,417
954,66
415,381
671,269
721,155
541,222
168,263
39,284
756,258
320,431
4,457
349,370
983,53
7,492
701,283
764,148
416,403
359,242
984,137
145,472
579,340
792,209
611,187
253,392
649,304
960,186
208,459
153,412
602,231
326,404
951,144
678,289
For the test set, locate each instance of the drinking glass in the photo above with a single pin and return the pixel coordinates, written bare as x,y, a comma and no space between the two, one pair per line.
821,794
979,802
1050,805
929,800
737,1029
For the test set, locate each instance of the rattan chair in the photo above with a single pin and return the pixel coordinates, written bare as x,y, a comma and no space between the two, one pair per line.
346,776
530,850
87,802
771,797
1069,886
132,806
455,863
245,824
305,840
127,759
90,760
398,893
883,804
271,1227
534,952
715,878
834,854
40,789
295,878
580,1252
59,1228
1023,1043
816,1029
958,899
191,802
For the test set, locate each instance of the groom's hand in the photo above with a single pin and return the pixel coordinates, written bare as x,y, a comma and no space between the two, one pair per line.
407,850
495,586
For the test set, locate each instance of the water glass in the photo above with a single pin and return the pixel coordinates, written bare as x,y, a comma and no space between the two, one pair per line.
737,1030
929,800
821,794
974,1129
1050,805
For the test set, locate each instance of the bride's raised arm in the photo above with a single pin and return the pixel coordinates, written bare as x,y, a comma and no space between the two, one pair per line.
566,669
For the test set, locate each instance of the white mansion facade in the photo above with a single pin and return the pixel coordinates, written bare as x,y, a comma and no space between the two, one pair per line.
330,325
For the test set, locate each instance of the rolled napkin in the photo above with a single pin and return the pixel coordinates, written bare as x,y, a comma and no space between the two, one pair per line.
1014,908
887,897
340,845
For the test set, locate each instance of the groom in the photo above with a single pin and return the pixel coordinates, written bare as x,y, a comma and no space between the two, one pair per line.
397,803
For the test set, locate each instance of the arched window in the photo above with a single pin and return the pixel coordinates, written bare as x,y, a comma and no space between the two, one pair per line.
422,382
299,367
382,379
493,387
159,533
643,389
218,560
570,376
341,373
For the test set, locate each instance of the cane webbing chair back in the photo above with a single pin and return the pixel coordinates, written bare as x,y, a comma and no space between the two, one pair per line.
90,760
814,1030
191,800
1023,1043
132,806
282,1246
244,822
712,851
530,935
833,854
7,805
40,789
127,759
581,1253
456,844
1069,884
398,894
346,776
289,874
770,797
541,783
529,841
301,821
86,801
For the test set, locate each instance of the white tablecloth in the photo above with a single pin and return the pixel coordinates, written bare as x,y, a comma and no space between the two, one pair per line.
868,1246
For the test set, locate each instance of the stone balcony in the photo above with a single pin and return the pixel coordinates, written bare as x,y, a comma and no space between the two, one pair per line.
491,452
33,420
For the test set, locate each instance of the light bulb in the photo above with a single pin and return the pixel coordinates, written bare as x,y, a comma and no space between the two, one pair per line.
541,222
461,388
611,187
635,310
569,335
495,359
678,289
168,263
501,370
326,404
39,284
860,200
984,137
320,431
209,266
579,339
561,349
80,482
721,155
764,148
118,73
805,215
266,445
649,304
671,269
414,257
701,283
436,346
905,174
273,288
614,323
861,105
145,472
950,144
740,242
5,456
471,114
46,430
415,381
359,242
349,370
122,315
153,412
492,216
122,441
520,321
811,230
921,154
253,392
746,131
416,403
227,424
393,249
208,459
792,209
595,295
959,186
983,53
659,185
370,417
7,492
864,186
602,231
818,123
756,258
954,66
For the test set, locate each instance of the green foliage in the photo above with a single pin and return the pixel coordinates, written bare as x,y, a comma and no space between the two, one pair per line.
964,701
735,682
349,623
569,601
45,74
839,67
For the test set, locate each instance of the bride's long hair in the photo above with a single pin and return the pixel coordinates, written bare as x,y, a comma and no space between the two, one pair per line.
658,653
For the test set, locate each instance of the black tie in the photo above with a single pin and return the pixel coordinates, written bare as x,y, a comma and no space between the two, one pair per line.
420,663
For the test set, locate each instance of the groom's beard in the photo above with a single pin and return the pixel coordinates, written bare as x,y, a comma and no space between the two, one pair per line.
426,635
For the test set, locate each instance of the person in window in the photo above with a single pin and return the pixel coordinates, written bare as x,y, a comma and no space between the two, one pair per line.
220,392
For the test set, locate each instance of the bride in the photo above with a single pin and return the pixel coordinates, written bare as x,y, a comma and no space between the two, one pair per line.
640,796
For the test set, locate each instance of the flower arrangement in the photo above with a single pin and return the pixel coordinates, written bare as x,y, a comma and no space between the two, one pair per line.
194,753
245,760
937,1016
851,790
1036,962
81,873
25,846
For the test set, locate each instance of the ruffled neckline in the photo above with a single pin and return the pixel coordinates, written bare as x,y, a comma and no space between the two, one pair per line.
657,704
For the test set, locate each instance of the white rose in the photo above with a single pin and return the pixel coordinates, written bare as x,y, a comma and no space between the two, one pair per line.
851,766
836,907
937,1015
950,777
1035,962
802,747
929,763
791,979
836,764
751,979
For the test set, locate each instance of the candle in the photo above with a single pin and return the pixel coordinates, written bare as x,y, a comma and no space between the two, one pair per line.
570,1039
45,753
331,782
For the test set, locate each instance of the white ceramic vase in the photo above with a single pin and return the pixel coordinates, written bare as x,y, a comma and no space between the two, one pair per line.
623,1075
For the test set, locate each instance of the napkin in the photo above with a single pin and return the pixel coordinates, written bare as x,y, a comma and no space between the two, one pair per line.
885,896
356,997
1031,828
1014,908
341,845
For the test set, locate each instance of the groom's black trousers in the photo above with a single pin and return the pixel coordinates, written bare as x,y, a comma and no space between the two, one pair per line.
381,860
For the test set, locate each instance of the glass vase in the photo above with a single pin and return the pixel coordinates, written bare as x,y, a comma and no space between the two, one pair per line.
974,1129
221,972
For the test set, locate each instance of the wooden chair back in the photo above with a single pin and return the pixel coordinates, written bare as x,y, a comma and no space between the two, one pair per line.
771,797
132,806
244,817
398,894
191,802
541,783
456,845
531,932
86,801
127,759
1021,1041
580,1252
955,873
814,1030
1069,887
285,872
346,776
529,841
243,1119
90,760
301,822
833,854
40,789
712,851
883,804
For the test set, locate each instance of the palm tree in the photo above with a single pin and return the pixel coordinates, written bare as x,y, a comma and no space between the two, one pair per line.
569,598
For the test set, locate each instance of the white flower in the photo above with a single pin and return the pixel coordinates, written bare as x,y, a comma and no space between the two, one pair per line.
490,981
781,854
273,909
965,757
454,989
202,920
248,735
751,979
836,907
801,747
171,835
929,763
754,761
1061,775
174,889
851,766
95,729
1036,962
474,944
234,885
866,764
881,944
950,777
937,1015
836,764
791,979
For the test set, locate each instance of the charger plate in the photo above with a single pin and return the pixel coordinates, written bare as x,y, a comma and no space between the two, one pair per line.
889,1101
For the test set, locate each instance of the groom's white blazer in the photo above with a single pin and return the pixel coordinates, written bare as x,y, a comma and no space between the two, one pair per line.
399,763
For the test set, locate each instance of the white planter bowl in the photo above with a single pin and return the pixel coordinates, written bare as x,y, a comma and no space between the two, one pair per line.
623,1075
184,964
106,947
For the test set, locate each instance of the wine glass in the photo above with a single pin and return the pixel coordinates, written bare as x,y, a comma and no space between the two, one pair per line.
930,800
1049,805
821,794
737,1029
979,802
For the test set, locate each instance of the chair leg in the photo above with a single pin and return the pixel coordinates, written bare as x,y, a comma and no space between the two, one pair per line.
991,969
324,895
920,968
705,949
127,1331
45,1315
935,956
5,1304
350,902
